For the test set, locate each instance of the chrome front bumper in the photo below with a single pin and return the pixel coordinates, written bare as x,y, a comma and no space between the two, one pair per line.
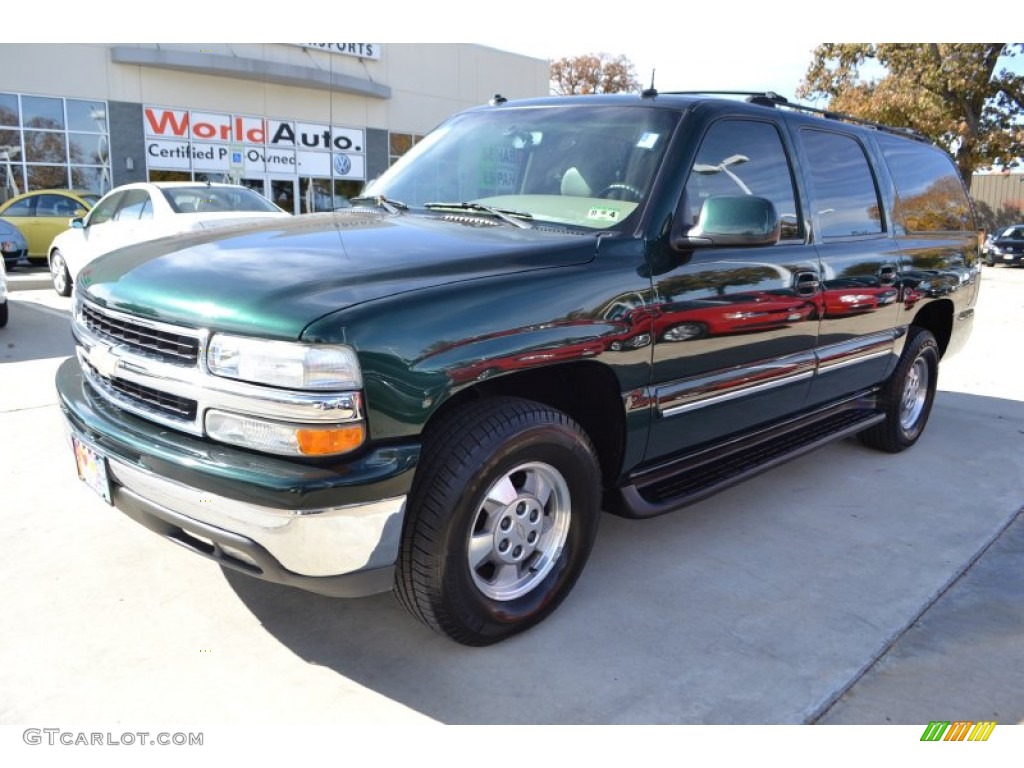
343,552
314,542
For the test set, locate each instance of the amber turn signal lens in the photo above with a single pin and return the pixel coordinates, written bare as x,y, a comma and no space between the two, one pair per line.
325,442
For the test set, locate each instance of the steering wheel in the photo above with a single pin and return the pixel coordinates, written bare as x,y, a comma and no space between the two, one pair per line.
635,194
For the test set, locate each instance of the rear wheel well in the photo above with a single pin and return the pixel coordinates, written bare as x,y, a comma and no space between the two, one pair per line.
589,393
937,317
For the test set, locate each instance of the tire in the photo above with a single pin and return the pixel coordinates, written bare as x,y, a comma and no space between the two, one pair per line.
501,520
59,274
3,315
685,332
907,396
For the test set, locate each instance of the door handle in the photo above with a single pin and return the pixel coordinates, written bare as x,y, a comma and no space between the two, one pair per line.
887,274
806,283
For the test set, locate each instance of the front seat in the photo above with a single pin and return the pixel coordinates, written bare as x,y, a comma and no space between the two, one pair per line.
574,185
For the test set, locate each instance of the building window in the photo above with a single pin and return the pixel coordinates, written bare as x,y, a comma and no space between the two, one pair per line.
50,142
399,144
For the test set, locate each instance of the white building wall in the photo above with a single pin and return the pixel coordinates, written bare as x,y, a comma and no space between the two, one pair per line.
428,81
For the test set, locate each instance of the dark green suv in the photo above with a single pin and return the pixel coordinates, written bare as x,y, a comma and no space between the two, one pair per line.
547,308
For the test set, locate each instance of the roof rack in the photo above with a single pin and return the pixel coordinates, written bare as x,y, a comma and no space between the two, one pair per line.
775,101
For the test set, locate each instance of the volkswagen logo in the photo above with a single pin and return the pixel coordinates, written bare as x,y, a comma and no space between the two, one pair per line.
342,165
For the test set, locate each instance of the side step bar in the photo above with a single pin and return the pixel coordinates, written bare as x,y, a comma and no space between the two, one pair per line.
690,478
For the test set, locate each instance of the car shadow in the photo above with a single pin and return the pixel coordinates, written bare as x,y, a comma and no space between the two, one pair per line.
34,332
755,606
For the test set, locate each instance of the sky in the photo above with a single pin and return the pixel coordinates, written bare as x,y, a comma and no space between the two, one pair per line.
700,64
724,45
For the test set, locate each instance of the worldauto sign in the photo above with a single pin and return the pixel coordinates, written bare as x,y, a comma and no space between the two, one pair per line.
205,141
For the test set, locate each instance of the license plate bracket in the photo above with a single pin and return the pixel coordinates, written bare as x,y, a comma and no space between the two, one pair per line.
92,469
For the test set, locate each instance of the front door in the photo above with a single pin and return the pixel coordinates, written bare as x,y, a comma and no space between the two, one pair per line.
735,329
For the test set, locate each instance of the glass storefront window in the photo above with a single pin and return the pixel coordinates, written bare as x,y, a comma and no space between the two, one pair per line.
45,147
10,138
9,109
47,177
42,112
400,143
170,176
96,179
88,148
52,140
87,116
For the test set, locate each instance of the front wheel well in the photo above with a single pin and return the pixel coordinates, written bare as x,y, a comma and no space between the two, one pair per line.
587,392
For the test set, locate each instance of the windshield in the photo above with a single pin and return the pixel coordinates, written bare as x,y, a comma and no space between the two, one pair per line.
585,166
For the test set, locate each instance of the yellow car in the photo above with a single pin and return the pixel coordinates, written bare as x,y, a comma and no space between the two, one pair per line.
44,214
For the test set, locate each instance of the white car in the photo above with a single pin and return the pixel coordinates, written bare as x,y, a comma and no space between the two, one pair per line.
134,213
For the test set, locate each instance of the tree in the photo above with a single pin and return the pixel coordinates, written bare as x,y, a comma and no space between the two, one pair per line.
959,95
593,73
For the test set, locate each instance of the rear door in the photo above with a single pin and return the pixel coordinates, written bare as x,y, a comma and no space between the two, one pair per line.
858,304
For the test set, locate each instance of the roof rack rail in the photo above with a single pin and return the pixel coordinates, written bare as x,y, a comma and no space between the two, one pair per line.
773,100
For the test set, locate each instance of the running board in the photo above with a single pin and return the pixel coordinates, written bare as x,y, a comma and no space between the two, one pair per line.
696,476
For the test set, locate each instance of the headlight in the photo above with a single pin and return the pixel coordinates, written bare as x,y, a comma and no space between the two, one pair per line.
284,364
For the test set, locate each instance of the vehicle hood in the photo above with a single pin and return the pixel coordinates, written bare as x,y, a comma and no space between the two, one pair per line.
274,277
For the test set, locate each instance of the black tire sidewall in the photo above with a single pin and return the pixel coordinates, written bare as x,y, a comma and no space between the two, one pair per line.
553,443
65,272
921,345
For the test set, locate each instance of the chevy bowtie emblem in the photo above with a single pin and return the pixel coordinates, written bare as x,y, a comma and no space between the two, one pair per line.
104,361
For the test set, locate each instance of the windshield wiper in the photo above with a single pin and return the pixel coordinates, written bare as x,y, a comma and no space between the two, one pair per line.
517,218
391,206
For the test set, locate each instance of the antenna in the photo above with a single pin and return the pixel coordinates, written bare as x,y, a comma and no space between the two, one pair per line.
650,93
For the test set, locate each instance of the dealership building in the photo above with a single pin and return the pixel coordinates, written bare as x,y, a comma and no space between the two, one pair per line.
305,124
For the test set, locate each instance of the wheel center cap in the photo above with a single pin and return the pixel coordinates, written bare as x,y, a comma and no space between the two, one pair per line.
519,530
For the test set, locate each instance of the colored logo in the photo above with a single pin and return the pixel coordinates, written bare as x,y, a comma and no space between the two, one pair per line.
959,730
342,165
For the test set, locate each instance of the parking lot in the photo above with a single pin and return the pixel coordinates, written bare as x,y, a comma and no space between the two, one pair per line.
846,587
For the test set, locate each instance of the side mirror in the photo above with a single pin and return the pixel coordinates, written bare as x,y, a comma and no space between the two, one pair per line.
731,220
80,212
77,223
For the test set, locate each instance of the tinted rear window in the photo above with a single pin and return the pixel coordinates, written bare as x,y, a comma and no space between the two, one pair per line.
931,195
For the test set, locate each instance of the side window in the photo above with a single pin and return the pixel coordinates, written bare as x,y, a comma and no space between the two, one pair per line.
931,195
106,208
745,157
55,206
135,203
843,190
22,208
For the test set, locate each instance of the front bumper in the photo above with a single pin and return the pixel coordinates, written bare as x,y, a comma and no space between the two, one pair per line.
333,530
1005,258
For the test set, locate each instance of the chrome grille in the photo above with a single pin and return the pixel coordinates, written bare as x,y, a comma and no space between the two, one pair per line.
145,340
137,397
